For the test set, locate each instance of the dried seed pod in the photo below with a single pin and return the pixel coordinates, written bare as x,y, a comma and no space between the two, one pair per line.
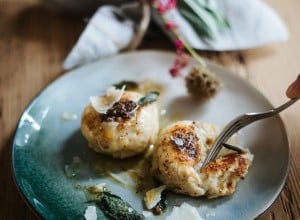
201,83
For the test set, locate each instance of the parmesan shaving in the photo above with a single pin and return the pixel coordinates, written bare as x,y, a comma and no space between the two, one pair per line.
124,178
90,213
102,103
153,196
68,116
147,214
185,211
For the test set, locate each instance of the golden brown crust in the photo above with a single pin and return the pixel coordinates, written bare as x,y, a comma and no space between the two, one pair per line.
224,163
122,136
176,162
185,144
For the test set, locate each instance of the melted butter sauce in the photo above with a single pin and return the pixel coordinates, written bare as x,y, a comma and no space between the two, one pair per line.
148,85
134,173
167,118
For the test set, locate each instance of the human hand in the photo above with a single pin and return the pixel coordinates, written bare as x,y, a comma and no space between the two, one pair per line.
293,90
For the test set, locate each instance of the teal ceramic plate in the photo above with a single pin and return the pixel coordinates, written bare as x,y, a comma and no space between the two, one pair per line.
44,143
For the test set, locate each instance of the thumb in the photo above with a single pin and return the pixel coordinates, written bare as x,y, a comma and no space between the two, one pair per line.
293,90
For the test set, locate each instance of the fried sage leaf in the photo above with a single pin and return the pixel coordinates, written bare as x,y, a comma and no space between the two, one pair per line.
116,208
150,97
129,85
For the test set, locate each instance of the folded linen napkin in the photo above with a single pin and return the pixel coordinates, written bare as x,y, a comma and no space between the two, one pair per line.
252,23
107,32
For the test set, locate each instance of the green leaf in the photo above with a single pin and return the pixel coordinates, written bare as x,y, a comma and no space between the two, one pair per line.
199,26
220,19
206,20
129,85
150,97
203,15
116,208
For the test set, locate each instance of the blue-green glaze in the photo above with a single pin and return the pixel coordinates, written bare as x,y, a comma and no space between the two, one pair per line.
44,143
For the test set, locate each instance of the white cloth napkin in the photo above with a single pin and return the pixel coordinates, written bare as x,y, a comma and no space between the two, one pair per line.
107,32
252,24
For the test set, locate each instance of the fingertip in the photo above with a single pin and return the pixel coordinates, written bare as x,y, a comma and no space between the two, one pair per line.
293,91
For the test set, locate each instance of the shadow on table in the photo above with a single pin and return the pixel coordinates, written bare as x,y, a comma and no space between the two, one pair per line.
53,30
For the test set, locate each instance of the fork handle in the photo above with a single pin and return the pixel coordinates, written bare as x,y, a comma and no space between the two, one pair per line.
272,112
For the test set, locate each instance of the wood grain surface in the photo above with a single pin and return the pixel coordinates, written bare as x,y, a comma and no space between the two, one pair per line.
34,41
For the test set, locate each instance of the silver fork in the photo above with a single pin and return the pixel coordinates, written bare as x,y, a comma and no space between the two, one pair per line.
238,123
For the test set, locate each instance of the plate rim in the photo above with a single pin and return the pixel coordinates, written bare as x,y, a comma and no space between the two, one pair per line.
41,215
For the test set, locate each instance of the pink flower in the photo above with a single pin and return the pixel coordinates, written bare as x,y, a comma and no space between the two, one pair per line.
171,25
172,4
161,8
182,58
164,6
178,44
175,71
181,61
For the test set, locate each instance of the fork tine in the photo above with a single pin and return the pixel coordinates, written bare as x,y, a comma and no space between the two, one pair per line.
223,137
238,123
234,148
233,126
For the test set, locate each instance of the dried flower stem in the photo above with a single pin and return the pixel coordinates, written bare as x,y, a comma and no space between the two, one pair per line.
194,54
175,32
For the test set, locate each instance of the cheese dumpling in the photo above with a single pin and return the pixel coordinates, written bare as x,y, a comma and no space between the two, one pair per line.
124,129
178,155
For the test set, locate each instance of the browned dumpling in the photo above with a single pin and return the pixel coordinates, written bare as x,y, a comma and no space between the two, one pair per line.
179,151
125,130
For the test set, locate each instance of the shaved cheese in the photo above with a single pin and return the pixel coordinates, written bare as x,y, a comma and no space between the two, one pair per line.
185,211
68,116
102,103
124,178
101,187
147,214
153,196
90,213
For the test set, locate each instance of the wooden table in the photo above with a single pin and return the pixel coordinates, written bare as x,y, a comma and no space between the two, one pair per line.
35,41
